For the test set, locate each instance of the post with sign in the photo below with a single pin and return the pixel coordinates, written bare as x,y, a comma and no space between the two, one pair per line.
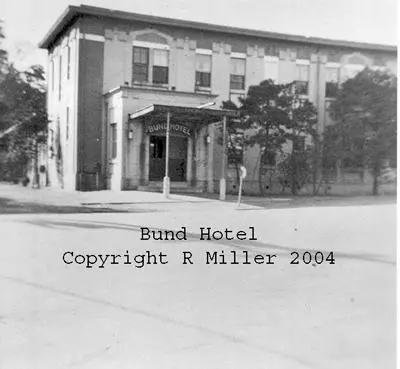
243,174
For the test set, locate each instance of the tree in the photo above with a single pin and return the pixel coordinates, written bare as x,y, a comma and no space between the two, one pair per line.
23,116
24,99
275,114
300,162
262,113
3,53
3,71
366,124
235,135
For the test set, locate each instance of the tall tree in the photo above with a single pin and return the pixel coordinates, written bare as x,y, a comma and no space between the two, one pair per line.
366,122
3,53
25,101
300,128
276,114
235,138
263,113
3,72
23,116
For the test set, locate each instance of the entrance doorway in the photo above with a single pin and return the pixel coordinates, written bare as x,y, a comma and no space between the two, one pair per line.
177,158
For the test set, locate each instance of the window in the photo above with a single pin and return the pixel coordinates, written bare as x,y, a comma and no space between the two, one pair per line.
328,118
160,66
238,67
203,70
140,64
302,79
269,158
150,65
271,68
301,87
110,113
60,79
52,75
113,141
67,124
68,62
331,81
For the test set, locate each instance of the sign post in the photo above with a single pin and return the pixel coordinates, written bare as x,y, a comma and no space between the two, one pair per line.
243,174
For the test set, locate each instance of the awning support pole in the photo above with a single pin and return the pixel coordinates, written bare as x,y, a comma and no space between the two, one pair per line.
222,182
166,181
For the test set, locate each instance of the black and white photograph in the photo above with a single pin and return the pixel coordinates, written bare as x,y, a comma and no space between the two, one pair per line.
198,184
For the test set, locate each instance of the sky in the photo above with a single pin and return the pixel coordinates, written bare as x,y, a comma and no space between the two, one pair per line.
27,21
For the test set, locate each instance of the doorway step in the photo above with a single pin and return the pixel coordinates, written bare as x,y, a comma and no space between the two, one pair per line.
175,187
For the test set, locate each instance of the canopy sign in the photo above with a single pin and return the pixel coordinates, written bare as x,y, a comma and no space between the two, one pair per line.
174,127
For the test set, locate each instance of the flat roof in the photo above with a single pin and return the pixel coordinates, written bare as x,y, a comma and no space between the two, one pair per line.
184,111
72,12
153,89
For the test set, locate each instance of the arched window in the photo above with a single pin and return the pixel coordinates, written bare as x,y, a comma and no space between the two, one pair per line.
150,64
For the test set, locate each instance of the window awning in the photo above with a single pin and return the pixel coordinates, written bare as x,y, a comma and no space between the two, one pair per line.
183,113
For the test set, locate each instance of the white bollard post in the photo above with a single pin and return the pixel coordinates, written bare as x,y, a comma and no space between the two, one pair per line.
166,187
240,191
222,182
243,174
222,189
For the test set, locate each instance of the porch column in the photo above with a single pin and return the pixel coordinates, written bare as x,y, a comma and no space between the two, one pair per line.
166,181
222,182
189,160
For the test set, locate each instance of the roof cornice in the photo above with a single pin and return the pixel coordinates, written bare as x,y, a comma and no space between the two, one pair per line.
73,12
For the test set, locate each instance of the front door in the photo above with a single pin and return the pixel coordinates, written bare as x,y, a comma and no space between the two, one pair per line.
177,158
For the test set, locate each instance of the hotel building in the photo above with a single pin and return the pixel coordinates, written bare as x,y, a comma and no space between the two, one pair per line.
117,80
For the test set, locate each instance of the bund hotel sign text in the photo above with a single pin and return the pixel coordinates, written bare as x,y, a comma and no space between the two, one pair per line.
174,127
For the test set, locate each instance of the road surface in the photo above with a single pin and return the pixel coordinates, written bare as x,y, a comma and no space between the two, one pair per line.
65,304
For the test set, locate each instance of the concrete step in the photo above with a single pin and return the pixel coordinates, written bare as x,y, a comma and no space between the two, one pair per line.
175,187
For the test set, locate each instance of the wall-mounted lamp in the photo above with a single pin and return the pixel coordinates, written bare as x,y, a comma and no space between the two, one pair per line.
207,139
130,134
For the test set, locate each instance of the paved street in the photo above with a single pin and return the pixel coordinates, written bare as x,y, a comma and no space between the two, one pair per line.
285,316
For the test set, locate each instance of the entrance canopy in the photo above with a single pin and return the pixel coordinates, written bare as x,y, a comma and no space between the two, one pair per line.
181,120
196,116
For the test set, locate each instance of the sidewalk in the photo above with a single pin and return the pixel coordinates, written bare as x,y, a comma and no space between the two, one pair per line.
15,199
18,199
47,195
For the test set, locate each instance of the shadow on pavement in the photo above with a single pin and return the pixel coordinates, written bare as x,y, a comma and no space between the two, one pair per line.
301,201
252,247
12,206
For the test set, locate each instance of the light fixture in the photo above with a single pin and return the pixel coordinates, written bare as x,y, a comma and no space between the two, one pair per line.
207,139
130,134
